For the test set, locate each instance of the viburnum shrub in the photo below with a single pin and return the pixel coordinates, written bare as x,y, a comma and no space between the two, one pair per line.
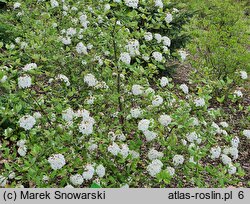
79,106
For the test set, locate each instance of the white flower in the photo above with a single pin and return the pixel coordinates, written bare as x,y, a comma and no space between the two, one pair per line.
114,149
3,181
224,124
132,3
30,66
238,93
178,159
22,150
154,167
192,137
184,88
16,5
169,18
12,175
76,179
90,80
154,154
158,3
133,47
81,49
135,112
84,21
199,102
124,151
143,124
150,135
171,170
234,152
243,74
166,41
134,154
235,142
246,133
225,159
24,81
137,89
86,126
164,81
158,100
27,122
63,78
54,3
157,56
148,36
37,115
125,57
56,161
88,175
4,78
232,169
215,152
183,54
165,120
66,41
68,114
149,91
71,32
100,170
158,37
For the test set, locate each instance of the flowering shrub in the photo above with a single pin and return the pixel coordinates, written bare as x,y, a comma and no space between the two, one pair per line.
81,105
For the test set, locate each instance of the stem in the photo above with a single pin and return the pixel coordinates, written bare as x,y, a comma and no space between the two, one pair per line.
120,108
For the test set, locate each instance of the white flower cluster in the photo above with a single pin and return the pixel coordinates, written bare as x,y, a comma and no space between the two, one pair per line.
68,115
193,137
132,3
184,88
83,20
90,80
63,78
158,3
89,173
165,120
164,81
27,122
178,159
22,149
115,150
3,181
169,18
133,47
24,81
246,133
243,74
238,93
157,56
16,5
183,54
171,170
76,179
154,167
125,58
137,89
29,67
143,124
135,112
148,36
154,154
56,161
157,101
86,126
215,152
200,102
81,49
54,3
